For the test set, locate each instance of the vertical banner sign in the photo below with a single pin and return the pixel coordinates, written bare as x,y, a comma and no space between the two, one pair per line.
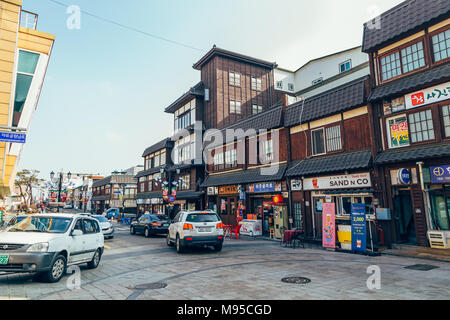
359,227
165,193
328,226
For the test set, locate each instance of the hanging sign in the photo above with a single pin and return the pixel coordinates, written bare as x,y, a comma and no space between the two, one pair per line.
428,96
359,227
404,176
328,225
13,137
440,174
165,193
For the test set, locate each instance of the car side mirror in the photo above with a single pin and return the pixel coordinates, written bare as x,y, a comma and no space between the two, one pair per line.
76,233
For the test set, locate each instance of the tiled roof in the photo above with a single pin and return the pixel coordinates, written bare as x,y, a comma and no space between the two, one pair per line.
197,90
215,51
157,146
149,195
342,98
404,19
147,172
335,163
183,195
246,176
414,153
120,179
269,119
412,82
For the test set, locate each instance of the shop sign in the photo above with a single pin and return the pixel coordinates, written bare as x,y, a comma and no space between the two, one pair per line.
148,201
228,190
241,194
213,191
328,226
360,180
440,174
399,134
155,201
428,96
359,231
140,201
296,185
264,187
404,176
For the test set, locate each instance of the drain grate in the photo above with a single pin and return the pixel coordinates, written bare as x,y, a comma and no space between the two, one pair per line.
296,280
421,267
151,286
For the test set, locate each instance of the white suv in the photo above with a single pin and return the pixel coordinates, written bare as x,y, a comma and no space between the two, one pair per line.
47,243
196,228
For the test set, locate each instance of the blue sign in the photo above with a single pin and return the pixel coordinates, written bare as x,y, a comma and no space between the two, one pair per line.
265,187
404,176
440,174
359,232
242,194
13,137
171,199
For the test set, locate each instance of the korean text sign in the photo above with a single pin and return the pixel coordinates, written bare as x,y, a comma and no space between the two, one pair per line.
359,231
328,226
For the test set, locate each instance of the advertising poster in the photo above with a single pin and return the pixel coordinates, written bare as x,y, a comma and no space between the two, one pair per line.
359,231
328,226
399,132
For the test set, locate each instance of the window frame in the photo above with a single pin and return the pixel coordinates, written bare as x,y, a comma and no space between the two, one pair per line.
234,83
235,107
279,85
291,87
256,85
343,64
324,142
431,49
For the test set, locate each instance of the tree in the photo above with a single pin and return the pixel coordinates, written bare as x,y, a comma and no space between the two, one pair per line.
26,180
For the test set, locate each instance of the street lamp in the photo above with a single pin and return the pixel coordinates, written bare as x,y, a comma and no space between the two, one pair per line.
61,178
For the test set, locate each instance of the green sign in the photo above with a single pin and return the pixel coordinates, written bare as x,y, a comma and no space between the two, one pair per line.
4,259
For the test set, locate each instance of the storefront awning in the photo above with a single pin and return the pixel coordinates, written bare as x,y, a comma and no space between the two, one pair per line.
246,176
186,195
341,162
101,198
149,195
415,153
349,191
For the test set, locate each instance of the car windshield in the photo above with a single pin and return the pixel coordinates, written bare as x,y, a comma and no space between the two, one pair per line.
155,217
101,218
42,224
202,217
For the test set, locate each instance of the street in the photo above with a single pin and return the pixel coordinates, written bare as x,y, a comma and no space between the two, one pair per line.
139,268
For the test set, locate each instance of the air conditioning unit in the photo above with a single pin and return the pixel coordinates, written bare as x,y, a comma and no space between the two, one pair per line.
437,239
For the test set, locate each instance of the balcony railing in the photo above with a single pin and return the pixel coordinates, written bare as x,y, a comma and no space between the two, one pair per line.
28,20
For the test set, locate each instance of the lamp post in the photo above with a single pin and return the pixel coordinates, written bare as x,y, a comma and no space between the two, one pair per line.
61,177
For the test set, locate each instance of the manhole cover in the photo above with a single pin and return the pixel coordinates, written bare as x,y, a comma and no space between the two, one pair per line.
151,286
296,280
421,267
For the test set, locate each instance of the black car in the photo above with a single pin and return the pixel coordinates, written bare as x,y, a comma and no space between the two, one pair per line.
150,224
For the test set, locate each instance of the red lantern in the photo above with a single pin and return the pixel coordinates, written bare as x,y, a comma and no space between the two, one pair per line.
278,199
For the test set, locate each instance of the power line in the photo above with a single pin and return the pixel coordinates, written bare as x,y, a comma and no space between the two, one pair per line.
130,28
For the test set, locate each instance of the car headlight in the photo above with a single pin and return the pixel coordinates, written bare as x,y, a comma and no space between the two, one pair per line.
38,247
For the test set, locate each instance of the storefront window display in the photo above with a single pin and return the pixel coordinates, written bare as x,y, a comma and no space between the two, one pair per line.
440,203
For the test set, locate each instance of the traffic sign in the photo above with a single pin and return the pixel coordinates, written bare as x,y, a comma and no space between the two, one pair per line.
13,137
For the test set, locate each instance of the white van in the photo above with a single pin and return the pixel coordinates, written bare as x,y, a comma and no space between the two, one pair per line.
47,243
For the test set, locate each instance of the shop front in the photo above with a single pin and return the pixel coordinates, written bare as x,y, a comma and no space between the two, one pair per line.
150,202
229,204
342,191
266,202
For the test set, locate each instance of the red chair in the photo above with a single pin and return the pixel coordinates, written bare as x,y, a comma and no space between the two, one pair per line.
237,231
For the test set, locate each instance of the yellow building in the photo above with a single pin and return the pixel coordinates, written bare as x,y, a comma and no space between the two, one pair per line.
24,57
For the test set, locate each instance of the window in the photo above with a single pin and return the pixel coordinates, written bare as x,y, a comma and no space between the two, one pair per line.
441,45
318,143
317,81
163,158
218,161
156,160
446,118
268,146
413,57
290,86
231,158
90,226
235,79
279,84
185,182
26,68
421,126
347,65
256,84
185,116
256,109
334,138
390,66
235,107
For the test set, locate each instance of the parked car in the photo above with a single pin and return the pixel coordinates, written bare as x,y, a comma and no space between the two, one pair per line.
106,226
68,206
112,213
12,220
150,224
47,243
195,228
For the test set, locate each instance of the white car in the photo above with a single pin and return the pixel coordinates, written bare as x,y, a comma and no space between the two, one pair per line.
106,226
47,243
195,228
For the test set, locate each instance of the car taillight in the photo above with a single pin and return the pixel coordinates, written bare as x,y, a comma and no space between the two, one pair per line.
156,224
188,226
219,225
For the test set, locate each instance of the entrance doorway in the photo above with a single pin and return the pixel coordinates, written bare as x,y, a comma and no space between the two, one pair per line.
228,208
404,216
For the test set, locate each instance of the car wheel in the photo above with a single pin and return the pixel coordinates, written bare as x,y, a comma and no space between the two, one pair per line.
56,271
95,260
132,231
179,246
147,233
169,242
218,247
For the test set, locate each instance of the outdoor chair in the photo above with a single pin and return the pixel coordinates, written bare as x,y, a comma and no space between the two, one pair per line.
237,231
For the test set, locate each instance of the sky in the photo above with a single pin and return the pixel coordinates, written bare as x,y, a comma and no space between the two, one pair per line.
106,87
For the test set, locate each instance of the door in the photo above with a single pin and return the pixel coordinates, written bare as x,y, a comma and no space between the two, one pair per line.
92,239
280,220
404,217
174,226
317,216
77,244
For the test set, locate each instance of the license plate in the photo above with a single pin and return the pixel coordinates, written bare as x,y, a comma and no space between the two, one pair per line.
165,225
204,229
4,259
